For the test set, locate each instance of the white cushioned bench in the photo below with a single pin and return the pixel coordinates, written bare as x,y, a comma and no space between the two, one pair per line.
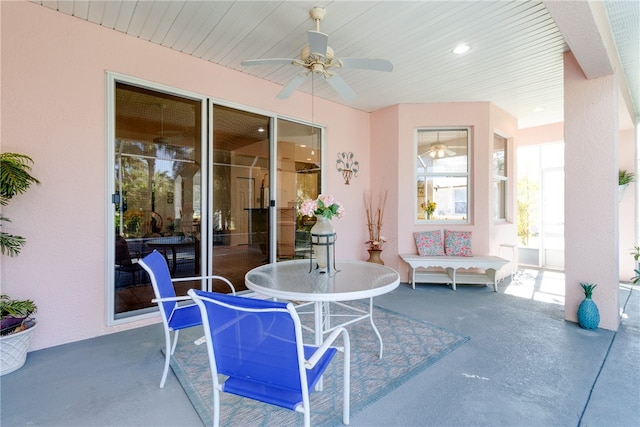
448,269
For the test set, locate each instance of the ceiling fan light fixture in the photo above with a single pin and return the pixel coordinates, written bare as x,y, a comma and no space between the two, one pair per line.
461,49
318,58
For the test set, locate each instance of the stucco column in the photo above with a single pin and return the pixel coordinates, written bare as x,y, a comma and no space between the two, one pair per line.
591,191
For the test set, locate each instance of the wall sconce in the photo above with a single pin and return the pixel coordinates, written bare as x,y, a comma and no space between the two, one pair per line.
347,166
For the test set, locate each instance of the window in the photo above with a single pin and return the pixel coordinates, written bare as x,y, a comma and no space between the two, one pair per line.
499,178
442,175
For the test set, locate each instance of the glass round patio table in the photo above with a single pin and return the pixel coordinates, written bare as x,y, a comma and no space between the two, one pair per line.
353,280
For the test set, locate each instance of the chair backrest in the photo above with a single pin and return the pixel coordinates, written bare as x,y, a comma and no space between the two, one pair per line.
253,339
123,256
158,270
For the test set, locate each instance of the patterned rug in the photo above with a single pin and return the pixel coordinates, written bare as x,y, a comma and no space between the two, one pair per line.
410,346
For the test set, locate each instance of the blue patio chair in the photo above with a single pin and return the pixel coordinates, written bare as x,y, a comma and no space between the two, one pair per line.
174,316
258,345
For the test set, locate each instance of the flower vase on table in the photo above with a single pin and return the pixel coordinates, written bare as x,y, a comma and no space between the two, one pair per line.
323,237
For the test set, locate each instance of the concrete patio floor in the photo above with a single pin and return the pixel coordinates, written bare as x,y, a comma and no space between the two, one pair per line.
523,366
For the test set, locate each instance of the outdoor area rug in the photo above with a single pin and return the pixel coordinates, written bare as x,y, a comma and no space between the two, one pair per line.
410,346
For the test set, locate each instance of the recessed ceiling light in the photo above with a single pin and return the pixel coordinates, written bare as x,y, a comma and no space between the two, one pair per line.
538,109
461,49
302,145
260,129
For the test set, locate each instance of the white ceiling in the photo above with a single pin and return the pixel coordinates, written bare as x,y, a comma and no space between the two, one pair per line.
515,61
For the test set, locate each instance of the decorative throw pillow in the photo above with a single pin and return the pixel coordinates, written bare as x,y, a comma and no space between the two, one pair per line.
457,243
429,243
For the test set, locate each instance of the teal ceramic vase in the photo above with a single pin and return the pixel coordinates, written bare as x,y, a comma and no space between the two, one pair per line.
588,314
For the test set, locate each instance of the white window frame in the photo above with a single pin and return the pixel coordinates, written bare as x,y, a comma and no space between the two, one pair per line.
426,175
497,200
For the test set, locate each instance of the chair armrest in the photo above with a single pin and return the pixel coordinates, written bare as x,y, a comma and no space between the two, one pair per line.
184,298
224,279
315,357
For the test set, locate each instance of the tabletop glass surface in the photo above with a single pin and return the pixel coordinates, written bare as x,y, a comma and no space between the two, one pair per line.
356,279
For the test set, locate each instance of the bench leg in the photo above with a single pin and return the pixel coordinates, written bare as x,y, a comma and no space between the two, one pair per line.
452,274
493,276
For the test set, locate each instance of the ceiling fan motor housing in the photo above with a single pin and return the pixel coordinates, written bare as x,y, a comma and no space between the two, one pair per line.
308,58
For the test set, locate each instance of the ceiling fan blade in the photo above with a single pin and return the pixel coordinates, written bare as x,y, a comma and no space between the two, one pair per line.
268,61
292,86
367,64
343,89
318,43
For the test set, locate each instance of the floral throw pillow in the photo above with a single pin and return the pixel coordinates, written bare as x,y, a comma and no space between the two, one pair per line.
457,243
429,243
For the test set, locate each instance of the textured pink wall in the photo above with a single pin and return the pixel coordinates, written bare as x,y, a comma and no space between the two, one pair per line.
553,132
385,176
591,192
53,109
393,137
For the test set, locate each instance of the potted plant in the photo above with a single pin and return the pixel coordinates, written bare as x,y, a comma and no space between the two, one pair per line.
375,216
16,323
636,256
624,179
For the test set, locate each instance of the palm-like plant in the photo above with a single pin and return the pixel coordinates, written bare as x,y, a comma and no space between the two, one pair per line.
636,256
15,178
625,177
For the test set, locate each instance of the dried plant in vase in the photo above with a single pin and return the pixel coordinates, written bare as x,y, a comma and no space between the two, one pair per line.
374,222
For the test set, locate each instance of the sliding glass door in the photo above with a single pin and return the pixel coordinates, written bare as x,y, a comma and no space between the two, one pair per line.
240,192
214,189
157,189
298,177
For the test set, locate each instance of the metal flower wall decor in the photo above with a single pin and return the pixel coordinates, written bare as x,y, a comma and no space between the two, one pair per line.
347,166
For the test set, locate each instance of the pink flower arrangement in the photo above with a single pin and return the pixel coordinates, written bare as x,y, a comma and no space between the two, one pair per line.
324,205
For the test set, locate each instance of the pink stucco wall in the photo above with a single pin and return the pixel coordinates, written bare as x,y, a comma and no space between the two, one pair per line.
54,109
393,139
553,132
591,192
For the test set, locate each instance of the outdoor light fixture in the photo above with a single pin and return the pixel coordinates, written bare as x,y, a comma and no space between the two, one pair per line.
462,48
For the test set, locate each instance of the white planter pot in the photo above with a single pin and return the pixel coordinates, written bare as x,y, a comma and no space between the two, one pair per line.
621,189
13,350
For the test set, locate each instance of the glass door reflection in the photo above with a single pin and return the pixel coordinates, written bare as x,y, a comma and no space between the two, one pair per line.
240,193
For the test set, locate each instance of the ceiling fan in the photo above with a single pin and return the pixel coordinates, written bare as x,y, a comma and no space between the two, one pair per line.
317,57
440,151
